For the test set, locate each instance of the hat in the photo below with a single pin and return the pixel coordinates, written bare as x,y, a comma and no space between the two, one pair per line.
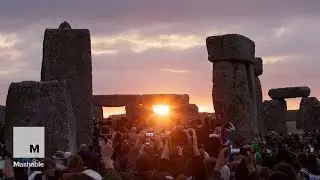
59,155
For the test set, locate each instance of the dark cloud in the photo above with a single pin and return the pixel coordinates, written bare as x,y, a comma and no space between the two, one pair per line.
128,13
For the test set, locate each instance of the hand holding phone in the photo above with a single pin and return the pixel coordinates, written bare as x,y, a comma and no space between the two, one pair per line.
150,134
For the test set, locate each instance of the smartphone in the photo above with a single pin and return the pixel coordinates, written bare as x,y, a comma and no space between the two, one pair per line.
2,164
151,134
234,151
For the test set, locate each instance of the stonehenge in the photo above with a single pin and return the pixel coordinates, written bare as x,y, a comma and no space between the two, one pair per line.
67,56
289,92
237,92
64,103
306,118
47,104
233,77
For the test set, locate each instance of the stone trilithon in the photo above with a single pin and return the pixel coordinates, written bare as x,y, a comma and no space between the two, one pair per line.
233,92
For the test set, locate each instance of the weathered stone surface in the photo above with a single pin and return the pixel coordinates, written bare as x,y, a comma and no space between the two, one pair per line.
292,115
64,25
258,70
233,92
230,47
137,114
2,124
258,66
67,56
274,116
2,115
172,99
118,100
47,104
259,104
98,112
309,114
187,112
289,92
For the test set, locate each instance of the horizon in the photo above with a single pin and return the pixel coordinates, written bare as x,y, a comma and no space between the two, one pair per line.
149,47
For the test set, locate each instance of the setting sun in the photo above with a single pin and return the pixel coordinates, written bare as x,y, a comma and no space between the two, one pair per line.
161,110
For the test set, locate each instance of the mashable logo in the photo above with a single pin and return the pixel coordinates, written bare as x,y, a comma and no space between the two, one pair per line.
28,142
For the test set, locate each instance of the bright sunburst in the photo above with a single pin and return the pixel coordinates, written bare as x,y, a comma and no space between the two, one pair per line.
161,110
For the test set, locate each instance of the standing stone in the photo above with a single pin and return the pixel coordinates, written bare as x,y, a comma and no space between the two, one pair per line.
186,112
47,104
233,92
274,116
2,115
292,115
67,56
98,112
138,114
2,124
309,114
258,70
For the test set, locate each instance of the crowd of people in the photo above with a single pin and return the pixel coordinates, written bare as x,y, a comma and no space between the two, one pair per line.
199,150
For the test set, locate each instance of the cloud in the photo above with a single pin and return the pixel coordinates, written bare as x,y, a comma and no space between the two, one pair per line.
138,43
8,43
275,59
174,70
101,52
10,53
282,31
139,13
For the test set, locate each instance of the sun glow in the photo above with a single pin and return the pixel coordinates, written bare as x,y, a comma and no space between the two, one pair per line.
161,110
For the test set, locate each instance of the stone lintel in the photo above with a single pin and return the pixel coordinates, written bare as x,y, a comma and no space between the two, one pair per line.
230,47
289,92
172,99
118,100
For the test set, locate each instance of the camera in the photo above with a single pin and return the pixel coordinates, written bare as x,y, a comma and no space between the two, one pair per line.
241,151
